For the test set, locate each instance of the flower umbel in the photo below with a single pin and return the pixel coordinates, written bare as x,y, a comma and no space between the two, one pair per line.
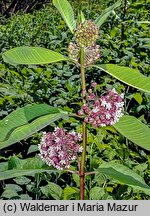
92,53
103,111
59,148
86,33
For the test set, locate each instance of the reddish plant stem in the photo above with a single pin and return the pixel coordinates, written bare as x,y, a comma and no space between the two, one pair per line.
84,131
82,167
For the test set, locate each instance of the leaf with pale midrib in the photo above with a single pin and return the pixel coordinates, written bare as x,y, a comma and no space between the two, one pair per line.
23,116
66,11
124,175
129,76
32,56
27,130
134,130
24,167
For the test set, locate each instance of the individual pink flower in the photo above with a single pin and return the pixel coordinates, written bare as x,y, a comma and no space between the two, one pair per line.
103,111
59,148
94,84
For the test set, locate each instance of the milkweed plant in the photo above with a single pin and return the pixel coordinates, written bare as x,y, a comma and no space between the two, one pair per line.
60,148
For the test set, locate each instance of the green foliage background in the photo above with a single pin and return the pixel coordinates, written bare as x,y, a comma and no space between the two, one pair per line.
124,40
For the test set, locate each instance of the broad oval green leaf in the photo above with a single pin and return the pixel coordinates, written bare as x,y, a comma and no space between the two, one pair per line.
102,18
124,175
69,192
53,190
22,116
134,130
21,172
127,75
66,12
32,56
24,167
96,193
29,129
23,122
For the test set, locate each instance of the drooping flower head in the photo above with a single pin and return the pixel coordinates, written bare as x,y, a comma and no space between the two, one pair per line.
91,54
86,35
60,148
102,111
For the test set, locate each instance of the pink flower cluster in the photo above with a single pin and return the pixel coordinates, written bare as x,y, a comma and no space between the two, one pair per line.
59,148
102,111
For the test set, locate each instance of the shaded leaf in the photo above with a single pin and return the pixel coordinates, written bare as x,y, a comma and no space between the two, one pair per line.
22,172
96,193
13,187
25,197
53,190
3,166
22,180
76,178
134,130
32,55
32,148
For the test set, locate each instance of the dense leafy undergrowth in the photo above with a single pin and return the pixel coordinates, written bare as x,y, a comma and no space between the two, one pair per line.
124,40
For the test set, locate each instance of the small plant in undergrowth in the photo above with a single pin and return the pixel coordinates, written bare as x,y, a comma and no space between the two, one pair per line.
60,148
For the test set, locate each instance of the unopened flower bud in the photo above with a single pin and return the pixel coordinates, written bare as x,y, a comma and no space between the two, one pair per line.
86,33
94,84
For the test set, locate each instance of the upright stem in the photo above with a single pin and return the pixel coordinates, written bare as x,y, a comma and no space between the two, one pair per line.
82,171
83,75
84,131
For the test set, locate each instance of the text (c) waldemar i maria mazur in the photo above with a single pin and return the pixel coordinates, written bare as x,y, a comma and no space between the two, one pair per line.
108,207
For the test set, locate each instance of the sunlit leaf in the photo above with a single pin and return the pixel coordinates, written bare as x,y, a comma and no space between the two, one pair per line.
22,116
26,131
81,18
66,12
24,122
134,130
32,55
127,75
69,192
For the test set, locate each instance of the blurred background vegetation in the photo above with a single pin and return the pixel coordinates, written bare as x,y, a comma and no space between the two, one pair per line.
124,40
